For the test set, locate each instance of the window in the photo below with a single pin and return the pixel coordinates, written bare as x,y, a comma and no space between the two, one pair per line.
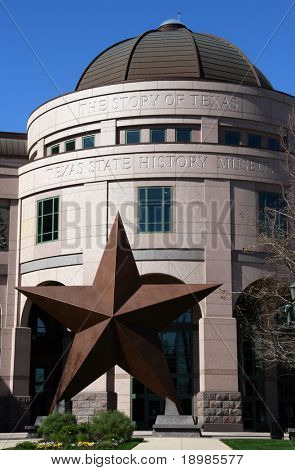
39,379
70,145
88,142
54,149
274,144
4,226
41,327
271,220
254,140
48,220
155,209
232,138
132,136
158,136
183,135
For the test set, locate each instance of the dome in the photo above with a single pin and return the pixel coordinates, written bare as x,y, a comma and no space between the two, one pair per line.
172,52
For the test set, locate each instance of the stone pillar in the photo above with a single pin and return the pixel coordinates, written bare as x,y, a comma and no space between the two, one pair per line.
97,397
88,404
209,130
219,401
14,395
108,133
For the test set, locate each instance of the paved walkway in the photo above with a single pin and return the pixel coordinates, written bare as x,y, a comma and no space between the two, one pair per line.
181,443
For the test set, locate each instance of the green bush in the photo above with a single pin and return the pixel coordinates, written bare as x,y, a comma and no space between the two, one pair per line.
111,425
28,445
67,435
71,434
53,424
84,433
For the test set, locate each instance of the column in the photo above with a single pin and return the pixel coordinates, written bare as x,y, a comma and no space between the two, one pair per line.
219,400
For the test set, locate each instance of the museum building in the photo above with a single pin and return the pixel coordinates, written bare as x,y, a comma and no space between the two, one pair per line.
180,133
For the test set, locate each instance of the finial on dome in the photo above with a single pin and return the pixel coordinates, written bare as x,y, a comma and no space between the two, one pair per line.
172,23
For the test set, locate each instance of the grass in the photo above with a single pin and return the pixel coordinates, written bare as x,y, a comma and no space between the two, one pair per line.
130,444
259,444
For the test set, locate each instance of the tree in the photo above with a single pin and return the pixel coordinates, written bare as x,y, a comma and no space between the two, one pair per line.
265,310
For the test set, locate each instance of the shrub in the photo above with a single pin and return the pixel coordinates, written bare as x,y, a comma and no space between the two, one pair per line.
71,434
53,424
28,445
84,433
111,425
67,435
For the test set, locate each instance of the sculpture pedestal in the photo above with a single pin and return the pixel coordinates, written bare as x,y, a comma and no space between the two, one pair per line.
175,425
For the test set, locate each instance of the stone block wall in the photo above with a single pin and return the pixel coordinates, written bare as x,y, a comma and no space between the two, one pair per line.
87,405
220,411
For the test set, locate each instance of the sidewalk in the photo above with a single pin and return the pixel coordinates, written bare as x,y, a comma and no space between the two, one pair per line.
180,443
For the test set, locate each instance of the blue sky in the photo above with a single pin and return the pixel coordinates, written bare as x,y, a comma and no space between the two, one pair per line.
45,45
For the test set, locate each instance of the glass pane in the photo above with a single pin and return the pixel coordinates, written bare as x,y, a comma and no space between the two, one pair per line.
183,135
142,215
186,317
55,222
232,138
154,194
55,149
47,224
158,135
4,228
155,213
132,136
270,200
56,202
167,194
88,142
41,328
39,225
70,146
254,140
47,206
47,237
138,409
274,144
39,375
142,195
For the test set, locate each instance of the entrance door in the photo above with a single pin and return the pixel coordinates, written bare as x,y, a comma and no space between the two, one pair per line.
177,343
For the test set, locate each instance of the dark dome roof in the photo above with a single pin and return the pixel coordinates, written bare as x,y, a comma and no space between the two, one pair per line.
172,52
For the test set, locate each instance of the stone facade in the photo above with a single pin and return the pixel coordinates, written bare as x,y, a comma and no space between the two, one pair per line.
87,405
219,409
215,190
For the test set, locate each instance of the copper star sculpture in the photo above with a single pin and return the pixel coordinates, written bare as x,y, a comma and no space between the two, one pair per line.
117,320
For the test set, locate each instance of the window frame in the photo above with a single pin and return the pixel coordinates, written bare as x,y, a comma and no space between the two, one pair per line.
158,129
132,131
163,222
4,204
249,135
274,139
189,129
70,142
53,213
261,228
84,137
232,131
55,146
